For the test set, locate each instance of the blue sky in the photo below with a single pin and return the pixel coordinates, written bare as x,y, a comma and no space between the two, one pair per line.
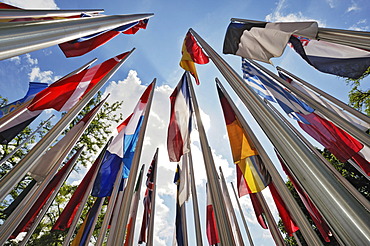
158,51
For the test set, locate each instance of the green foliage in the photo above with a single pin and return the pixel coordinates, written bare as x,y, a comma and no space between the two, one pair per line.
359,98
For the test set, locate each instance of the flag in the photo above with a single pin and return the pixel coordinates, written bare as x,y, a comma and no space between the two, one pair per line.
289,224
148,199
61,96
28,220
82,238
60,150
252,175
7,6
33,89
288,102
211,227
84,45
66,217
179,239
258,210
262,41
179,128
318,220
364,126
336,59
184,186
122,149
130,228
192,52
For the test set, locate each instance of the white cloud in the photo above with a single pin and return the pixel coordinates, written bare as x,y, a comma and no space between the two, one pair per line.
30,60
279,16
360,25
16,60
353,7
41,76
331,3
34,4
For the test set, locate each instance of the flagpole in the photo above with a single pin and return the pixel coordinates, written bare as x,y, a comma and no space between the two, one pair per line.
308,233
119,237
17,38
356,39
243,218
16,174
223,227
51,198
357,167
22,209
130,239
343,212
94,222
231,210
334,100
198,231
334,117
152,204
184,223
41,13
2,161
334,171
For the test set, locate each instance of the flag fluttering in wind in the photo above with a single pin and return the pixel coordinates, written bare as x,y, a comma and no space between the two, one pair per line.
192,53
211,226
336,59
179,238
180,121
33,89
122,149
252,175
84,45
262,41
61,95
148,197
258,210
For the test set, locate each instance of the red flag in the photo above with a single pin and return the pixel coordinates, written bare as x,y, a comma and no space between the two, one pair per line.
212,232
289,224
258,210
63,94
192,52
312,210
7,6
28,220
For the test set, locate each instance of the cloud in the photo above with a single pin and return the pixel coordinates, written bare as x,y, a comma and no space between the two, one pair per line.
16,60
42,76
331,3
279,16
360,25
354,7
34,4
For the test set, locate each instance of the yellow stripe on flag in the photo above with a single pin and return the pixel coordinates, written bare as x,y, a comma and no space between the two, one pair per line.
251,175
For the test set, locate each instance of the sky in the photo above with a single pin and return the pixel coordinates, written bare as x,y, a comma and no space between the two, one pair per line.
157,55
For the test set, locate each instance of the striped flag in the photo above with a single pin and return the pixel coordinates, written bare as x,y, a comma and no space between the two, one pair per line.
211,227
179,238
258,210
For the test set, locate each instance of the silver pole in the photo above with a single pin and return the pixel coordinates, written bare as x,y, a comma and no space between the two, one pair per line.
334,100
243,218
2,161
332,169
21,211
94,222
334,117
308,233
119,237
184,223
223,226
231,212
40,13
152,210
198,230
349,219
51,198
19,38
16,174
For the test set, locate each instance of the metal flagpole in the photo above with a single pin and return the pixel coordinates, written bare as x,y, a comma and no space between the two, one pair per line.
348,218
357,167
24,105
198,231
276,235
332,99
22,209
223,226
308,233
231,212
40,13
152,209
16,38
334,117
184,223
16,174
334,171
93,222
50,199
25,141
356,39
243,218
119,237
